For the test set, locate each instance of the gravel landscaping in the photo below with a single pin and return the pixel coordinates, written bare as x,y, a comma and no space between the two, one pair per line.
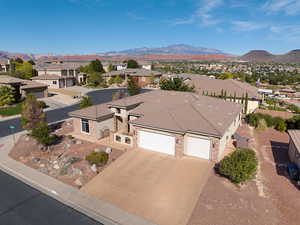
65,160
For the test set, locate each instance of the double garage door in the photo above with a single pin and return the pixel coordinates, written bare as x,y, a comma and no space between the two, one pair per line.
195,147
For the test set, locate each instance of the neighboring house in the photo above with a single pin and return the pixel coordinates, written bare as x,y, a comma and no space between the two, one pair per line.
294,146
174,123
55,81
204,84
142,76
25,87
67,71
4,65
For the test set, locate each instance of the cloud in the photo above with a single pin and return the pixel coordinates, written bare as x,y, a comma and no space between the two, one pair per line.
289,33
247,25
202,15
289,7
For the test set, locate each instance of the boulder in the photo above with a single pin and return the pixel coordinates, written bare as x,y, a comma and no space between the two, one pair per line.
35,160
97,150
108,150
78,182
94,168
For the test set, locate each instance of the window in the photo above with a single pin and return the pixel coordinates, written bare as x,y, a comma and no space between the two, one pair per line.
64,72
71,72
85,127
118,110
118,138
54,82
127,140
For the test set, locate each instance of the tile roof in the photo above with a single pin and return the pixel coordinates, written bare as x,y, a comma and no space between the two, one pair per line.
28,84
5,79
295,136
205,83
132,72
59,66
176,111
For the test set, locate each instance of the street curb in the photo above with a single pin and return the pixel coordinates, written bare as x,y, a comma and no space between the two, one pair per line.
98,210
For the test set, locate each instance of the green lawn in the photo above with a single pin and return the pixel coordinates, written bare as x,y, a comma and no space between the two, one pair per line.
11,110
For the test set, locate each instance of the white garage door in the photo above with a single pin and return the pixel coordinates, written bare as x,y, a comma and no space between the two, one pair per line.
198,147
156,142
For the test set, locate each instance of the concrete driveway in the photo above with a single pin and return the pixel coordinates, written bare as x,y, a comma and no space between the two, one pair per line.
156,186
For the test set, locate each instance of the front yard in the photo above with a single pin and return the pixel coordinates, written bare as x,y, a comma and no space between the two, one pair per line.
11,110
65,160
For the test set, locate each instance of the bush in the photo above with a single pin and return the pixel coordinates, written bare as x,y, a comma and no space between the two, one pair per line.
261,124
255,120
98,158
43,104
42,134
239,166
281,126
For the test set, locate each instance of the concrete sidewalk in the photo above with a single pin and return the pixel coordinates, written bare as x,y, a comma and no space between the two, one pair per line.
99,210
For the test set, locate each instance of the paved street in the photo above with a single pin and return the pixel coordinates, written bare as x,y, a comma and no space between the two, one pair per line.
98,97
23,205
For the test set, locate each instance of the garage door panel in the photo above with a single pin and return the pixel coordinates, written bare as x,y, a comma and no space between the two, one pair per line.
198,147
157,142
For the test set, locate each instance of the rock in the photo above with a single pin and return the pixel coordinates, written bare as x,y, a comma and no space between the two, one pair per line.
79,142
42,165
78,182
27,138
56,166
97,150
63,171
77,171
108,150
94,168
35,160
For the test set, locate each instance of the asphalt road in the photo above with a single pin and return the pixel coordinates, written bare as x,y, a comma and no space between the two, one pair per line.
98,97
23,205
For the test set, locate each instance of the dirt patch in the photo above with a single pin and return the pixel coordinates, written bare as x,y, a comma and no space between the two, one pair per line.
270,199
65,160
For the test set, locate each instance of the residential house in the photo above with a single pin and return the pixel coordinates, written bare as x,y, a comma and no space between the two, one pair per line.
24,87
206,85
294,146
170,122
4,65
60,74
142,76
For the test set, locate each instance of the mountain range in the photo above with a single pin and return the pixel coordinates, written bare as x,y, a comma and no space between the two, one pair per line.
179,49
264,56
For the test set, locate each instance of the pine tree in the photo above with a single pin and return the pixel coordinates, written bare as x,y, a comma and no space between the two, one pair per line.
234,97
246,103
32,113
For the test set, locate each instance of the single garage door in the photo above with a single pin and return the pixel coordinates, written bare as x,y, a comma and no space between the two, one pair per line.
156,142
197,147
37,93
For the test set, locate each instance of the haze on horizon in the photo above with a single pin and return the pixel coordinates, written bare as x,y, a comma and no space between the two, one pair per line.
94,26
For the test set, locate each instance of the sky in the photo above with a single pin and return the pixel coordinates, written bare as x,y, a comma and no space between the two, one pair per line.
94,26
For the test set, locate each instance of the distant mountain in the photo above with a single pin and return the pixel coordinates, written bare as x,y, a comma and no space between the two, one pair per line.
8,55
179,49
264,56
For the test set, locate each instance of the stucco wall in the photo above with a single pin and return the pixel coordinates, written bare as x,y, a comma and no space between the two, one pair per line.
95,127
293,153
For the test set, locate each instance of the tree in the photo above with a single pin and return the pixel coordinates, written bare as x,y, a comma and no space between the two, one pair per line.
86,101
118,80
246,103
25,70
110,68
132,86
6,95
132,64
95,80
42,134
96,66
31,62
19,60
175,84
32,113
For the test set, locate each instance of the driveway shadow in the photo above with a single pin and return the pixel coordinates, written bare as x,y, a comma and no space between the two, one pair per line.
280,155
281,159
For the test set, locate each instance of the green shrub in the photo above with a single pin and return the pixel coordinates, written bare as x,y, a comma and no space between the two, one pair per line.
43,104
281,126
42,134
98,158
239,166
255,120
261,124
